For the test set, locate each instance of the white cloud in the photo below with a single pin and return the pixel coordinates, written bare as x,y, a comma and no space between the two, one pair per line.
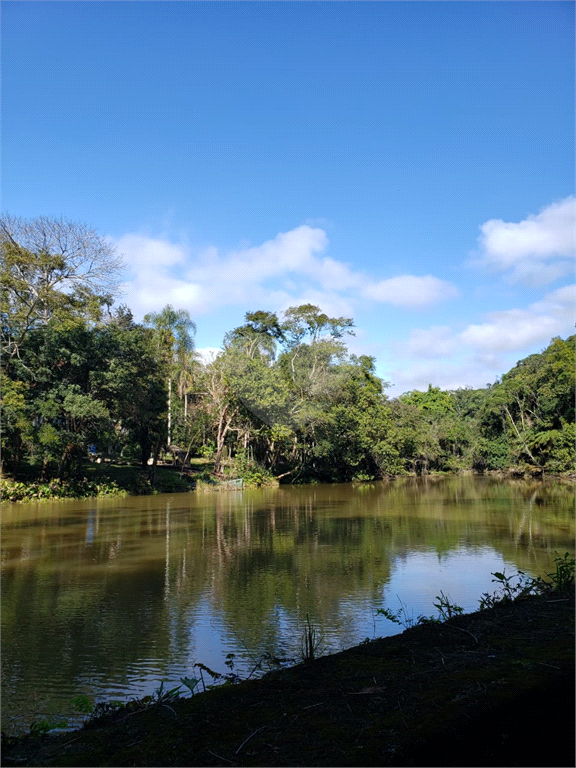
477,355
511,329
145,253
467,372
536,250
289,252
208,354
518,329
411,291
560,303
436,341
287,270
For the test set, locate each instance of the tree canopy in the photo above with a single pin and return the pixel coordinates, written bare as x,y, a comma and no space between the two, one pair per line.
284,397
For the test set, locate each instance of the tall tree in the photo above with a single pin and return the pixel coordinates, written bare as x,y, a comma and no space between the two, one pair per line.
52,268
174,329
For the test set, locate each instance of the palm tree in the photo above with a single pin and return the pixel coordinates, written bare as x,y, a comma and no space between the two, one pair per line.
174,329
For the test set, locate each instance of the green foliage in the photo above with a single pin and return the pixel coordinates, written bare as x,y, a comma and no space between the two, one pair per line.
284,399
401,616
43,727
190,682
562,577
58,489
207,451
519,585
532,409
254,476
82,703
510,588
446,608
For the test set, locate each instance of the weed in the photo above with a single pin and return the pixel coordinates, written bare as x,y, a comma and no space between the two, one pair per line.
311,641
562,577
510,588
190,682
42,727
229,678
82,703
519,585
162,697
401,616
446,609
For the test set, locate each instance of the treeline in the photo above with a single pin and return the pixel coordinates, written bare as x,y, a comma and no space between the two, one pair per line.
283,399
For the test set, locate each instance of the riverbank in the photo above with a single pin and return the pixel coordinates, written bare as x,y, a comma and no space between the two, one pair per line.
98,480
490,688
123,480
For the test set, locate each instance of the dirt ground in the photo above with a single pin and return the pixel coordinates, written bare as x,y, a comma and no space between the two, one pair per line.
493,688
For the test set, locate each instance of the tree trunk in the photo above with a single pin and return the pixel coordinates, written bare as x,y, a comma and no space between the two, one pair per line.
223,427
169,412
145,445
152,468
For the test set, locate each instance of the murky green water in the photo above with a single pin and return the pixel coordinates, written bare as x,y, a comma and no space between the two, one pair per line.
108,597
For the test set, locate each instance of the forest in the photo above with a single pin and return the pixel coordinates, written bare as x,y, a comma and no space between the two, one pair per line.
284,400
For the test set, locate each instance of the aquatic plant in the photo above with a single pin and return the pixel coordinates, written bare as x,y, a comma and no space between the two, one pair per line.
311,641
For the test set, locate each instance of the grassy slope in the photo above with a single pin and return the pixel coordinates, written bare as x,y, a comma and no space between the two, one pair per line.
494,688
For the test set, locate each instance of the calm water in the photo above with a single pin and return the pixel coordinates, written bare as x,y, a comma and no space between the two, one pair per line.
108,597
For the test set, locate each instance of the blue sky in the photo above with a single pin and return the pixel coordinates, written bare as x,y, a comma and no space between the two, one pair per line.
407,164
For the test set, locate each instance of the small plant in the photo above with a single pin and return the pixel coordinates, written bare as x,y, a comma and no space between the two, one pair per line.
207,451
519,585
446,609
389,614
42,727
511,588
227,679
311,641
362,477
190,682
162,697
401,616
562,577
82,703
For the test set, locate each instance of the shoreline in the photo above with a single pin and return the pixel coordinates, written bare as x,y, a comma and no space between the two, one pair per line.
493,687
123,481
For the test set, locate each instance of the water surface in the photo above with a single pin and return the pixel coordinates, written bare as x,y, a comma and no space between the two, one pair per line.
107,597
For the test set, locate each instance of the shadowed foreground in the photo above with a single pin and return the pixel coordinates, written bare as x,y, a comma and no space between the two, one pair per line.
494,688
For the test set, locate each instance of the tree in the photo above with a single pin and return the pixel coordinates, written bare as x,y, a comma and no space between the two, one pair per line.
52,268
259,335
531,409
173,331
53,412
132,384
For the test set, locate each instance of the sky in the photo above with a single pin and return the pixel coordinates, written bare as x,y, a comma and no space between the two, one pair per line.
409,165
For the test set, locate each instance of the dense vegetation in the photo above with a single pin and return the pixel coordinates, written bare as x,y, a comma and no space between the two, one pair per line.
284,398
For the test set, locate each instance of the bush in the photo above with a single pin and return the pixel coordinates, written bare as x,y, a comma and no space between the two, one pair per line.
12,491
253,474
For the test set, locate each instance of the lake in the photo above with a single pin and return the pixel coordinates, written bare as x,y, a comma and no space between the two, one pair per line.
107,597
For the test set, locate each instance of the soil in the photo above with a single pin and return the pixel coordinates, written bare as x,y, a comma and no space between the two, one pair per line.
492,688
